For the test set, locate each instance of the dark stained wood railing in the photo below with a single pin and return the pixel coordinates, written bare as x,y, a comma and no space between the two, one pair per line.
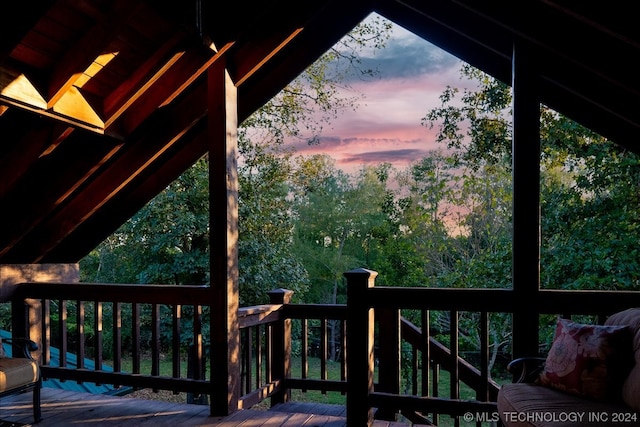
330,320
149,304
266,337
371,374
364,298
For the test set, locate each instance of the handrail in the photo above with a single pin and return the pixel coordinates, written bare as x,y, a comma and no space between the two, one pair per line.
112,292
42,300
267,334
364,297
272,313
441,355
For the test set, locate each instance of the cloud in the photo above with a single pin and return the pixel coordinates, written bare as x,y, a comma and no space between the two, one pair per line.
408,56
405,56
386,124
403,156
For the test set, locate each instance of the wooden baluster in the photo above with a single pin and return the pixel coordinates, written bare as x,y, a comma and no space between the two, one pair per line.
46,331
80,334
414,370
197,341
258,356
426,351
323,350
117,337
248,358
176,316
62,326
454,383
267,353
155,340
135,337
305,350
243,361
343,352
97,313
483,394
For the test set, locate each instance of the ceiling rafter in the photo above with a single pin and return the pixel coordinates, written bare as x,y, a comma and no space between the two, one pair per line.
167,130
90,46
169,85
78,160
130,90
131,199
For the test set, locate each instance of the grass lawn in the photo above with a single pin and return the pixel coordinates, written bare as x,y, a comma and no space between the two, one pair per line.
333,372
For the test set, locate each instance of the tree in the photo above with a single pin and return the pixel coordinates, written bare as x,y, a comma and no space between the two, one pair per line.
339,222
589,198
590,207
166,242
266,258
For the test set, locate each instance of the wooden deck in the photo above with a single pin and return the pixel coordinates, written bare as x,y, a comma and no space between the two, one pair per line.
65,408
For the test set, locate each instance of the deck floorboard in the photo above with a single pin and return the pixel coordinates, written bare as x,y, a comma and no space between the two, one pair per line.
66,408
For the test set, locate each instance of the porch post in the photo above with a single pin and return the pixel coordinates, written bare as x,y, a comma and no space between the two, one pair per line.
526,200
223,219
360,328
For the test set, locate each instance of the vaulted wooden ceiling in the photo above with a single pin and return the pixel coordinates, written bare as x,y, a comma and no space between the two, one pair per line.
103,102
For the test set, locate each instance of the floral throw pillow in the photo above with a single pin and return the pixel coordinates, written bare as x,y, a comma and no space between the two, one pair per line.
588,360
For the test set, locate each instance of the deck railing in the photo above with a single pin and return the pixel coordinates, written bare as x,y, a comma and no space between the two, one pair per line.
364,298
74,317
43,310
291,322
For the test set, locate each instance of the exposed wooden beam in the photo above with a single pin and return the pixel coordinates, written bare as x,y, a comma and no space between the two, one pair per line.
130,200
167,87
48,189
249,60
164,131
142,80
90,46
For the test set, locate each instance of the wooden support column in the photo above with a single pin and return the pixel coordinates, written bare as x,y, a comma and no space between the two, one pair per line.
360,333
223,217
526,199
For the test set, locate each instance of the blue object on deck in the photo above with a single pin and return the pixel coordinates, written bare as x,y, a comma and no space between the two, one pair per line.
72,362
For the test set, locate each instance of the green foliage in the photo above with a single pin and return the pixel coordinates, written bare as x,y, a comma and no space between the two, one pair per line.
340,221
165,243
445,220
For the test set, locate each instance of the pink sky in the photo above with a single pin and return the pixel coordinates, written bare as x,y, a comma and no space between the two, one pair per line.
386,126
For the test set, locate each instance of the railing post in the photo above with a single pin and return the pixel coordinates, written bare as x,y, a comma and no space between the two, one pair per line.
388,356
360,366
26,321
281,347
